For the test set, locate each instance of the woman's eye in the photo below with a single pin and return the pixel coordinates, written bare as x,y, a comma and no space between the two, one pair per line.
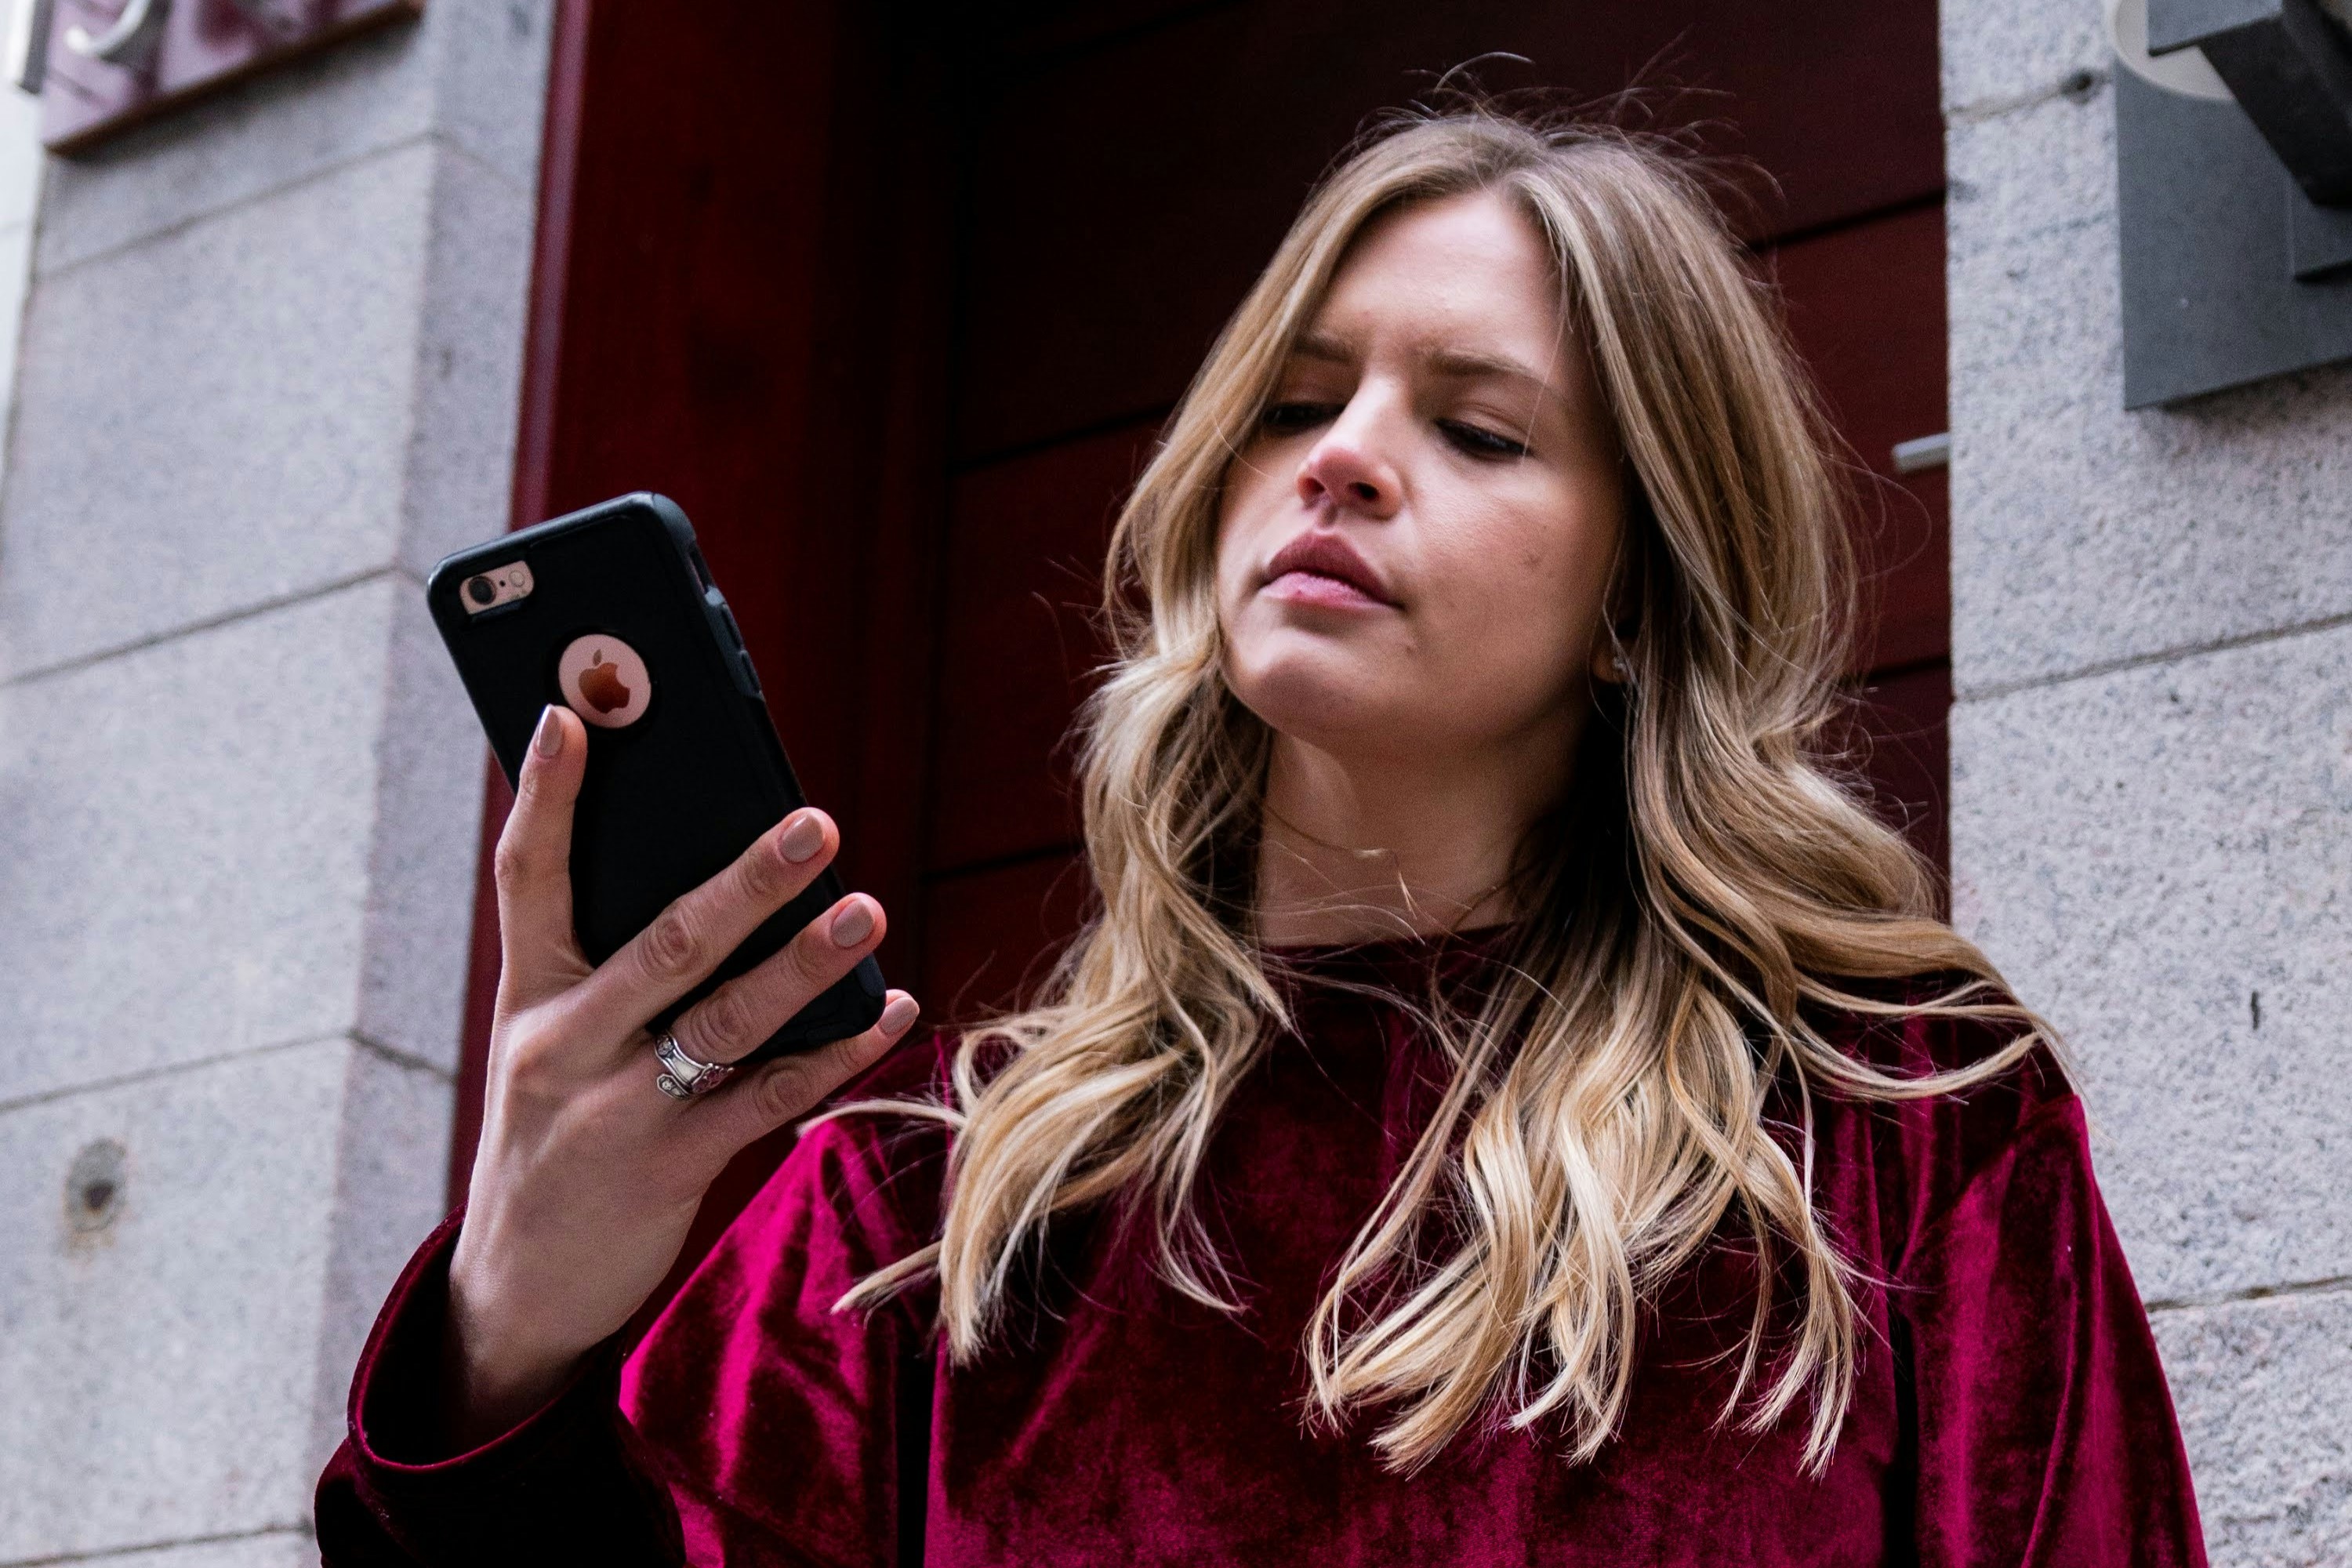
1480,442
1283,418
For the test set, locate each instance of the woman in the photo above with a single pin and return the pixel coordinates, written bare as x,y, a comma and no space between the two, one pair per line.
1512,1106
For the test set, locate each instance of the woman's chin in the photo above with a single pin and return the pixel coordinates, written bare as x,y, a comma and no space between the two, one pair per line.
1330,703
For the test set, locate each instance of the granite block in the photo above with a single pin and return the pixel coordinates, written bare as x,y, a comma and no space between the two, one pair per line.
284,1547
170,1357
2261,1387
2160,860
15,243
1997,53
268,371
217,419
390,1188
471,75
2084,536
185,841
20,150
424,847
490,83
467,382
2044,168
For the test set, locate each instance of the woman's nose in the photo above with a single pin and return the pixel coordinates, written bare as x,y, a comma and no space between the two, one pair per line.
1350,467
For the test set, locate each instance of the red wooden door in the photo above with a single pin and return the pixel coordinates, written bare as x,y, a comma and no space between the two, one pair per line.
738,299
894,308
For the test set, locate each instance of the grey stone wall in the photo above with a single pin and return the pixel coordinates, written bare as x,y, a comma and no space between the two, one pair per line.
20,188
269,373
2152,773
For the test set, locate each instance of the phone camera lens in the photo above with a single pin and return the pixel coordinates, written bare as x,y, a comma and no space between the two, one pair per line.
481,590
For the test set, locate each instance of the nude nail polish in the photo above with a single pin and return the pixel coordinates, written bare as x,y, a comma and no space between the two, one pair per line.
801,840
853,925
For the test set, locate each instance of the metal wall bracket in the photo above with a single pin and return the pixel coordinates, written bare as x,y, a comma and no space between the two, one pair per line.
130,40
2235,203
2289,65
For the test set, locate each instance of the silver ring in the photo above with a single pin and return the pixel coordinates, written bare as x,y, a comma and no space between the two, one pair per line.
683,1078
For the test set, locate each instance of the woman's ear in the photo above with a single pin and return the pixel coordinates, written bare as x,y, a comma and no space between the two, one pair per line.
1608,664
1618,631
1622,604
1629,586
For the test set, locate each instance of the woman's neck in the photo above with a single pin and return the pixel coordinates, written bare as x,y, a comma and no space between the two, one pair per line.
1355,849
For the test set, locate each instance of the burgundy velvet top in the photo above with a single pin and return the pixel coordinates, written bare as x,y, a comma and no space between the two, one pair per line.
2008,1408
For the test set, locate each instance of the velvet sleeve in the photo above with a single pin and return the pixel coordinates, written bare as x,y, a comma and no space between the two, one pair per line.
787,1430
751,1426
568,1484
2045,1431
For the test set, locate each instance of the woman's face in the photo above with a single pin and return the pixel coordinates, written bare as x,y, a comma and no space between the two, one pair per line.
1414,547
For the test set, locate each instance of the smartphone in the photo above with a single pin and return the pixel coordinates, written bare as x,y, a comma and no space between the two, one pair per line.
610,612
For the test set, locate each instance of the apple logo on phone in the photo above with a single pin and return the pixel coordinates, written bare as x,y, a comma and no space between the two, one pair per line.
601,684
604,680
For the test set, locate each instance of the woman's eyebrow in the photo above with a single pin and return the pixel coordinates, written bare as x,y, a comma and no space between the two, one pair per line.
1323,346
1468,363
1457,362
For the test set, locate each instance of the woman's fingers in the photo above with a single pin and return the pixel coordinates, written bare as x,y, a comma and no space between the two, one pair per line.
686,941
533,864
736,1019
774,1093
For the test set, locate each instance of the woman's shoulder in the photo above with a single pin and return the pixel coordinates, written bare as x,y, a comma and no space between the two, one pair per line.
1919,1026
2008,1083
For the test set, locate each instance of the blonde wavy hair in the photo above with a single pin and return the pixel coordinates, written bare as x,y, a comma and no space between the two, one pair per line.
1711,886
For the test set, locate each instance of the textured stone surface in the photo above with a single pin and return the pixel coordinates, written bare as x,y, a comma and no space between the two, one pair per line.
176,1363
251,447
295,426
2161,860
185,843
20,147
15,247
20,187
390,1190
2082,535
468,379
1998,52
2045,167
270,368
282,1548
2261,1387
472,76
423,845
2152,770
489,82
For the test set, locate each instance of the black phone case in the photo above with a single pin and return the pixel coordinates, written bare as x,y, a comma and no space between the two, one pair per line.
675,796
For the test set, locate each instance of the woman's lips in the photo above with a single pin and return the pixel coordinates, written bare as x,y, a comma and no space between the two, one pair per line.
1303,587
1319,567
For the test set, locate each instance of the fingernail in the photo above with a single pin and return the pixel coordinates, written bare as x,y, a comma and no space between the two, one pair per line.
547,739
853,924
801,839
899,1015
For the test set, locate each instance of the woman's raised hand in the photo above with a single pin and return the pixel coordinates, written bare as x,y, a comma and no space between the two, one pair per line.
588,1175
